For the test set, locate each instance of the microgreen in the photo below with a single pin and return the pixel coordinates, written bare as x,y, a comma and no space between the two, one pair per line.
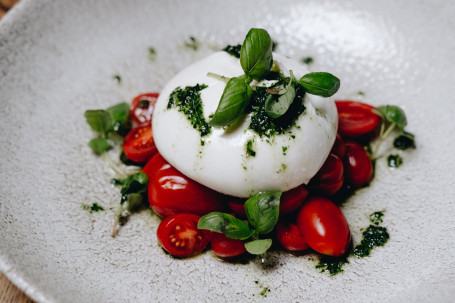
262,211
99,145
320,84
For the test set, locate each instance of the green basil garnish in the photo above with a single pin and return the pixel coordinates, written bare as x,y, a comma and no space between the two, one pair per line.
320,84
262,211
99,120
275,108
392,114
225,223
119,113
235,98
258,247
256,53
99,145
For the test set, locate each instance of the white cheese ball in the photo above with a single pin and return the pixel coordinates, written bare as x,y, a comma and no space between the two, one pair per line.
222,163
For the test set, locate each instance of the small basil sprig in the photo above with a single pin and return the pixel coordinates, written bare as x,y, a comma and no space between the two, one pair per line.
262,211
108,124
275,108
320,84
393,118
256,53
235,98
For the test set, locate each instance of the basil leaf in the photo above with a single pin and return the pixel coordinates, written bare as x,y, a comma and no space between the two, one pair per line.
258,247
119,113
99,120
404,141
256,53
262,211
392,114
99,145
276,108
134,202
136,183
235,98
320,84
224,223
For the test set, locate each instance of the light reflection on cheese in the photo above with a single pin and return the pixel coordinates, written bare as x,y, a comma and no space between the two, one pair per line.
222,162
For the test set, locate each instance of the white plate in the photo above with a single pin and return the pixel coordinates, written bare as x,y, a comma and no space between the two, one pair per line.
57,59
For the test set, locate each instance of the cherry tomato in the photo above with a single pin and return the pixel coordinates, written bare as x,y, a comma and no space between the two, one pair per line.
225,247
324,226
171,192
329,178
356,118
153,165
290,237
338,147
292,199
357,165
142,107
139,145
179,235
238,206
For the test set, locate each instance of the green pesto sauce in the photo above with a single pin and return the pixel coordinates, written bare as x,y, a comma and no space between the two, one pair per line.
394,161
373,236
376,217
332,265
95,207
188,101
263,124
233,50
249,149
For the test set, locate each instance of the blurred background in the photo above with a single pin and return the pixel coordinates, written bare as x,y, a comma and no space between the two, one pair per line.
8,292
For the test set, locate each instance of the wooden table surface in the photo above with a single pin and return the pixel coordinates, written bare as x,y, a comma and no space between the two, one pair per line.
8,291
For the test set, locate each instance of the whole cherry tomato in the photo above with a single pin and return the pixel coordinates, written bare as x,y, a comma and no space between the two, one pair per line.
139,145
290,237
179,235
357,165
153,165
238,206
329,178
142,107
324,226
171,192
292,199
225,247
356,118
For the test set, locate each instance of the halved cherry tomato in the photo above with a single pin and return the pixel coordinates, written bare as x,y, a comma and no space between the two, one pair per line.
357,165
225,247
324,226
356,118
290,237
179,235
153,165
329,178
142,107
139,145
292,199
338,147
171,192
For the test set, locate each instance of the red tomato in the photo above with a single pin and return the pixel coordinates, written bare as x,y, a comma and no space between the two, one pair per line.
179,235
290,237
171,192
153,165
356,118
329,178
292,199
225,247
324,226
139,145
238,206
142,106
357,165
338,147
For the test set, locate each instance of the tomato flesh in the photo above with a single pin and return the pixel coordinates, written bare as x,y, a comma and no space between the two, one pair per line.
290,237
357,165
142,107
356,118
171,192
179,235
139,145
225,247
329,178
324,226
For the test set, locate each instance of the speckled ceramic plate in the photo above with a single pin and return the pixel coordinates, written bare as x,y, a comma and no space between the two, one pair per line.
58,58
